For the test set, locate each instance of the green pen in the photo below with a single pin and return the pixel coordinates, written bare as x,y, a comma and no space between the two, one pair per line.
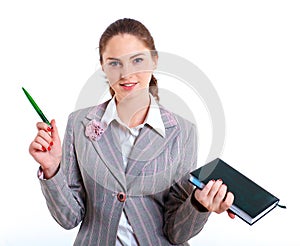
36,107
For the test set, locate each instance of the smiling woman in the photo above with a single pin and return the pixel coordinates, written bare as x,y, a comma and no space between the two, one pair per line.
129,70
124,66
135,37
123,169
128,67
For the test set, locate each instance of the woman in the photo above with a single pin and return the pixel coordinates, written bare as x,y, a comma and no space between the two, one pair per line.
123,169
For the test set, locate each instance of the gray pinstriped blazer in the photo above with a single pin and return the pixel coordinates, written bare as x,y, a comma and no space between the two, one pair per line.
91,175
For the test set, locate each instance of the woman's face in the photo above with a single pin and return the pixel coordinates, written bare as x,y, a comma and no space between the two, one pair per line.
128,65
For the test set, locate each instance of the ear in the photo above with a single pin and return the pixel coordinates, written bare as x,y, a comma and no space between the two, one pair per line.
155,61
101,65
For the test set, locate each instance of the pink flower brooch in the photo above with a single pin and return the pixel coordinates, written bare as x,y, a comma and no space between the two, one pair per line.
94,130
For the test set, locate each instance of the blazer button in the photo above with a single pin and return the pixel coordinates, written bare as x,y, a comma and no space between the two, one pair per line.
121,197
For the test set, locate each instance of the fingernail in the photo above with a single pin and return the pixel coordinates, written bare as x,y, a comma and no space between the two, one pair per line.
51,144
43,149
220,180
49,148
49,129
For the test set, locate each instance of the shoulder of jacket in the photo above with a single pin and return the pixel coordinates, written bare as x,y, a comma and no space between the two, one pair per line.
175,119
81,113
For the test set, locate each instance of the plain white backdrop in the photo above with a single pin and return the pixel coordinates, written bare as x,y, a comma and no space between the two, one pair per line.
249,50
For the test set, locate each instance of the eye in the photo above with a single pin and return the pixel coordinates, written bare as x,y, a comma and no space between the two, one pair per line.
138,60
115,64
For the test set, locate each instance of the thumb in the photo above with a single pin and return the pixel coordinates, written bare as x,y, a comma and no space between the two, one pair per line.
54,131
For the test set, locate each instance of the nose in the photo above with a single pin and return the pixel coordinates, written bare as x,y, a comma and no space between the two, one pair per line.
125,71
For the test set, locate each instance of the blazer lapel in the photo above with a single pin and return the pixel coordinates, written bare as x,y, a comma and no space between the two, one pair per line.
108,147
149,144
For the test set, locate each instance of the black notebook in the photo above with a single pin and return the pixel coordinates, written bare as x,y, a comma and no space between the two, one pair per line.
251,202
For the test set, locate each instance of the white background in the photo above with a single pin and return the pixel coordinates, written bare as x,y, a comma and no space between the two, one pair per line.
249,50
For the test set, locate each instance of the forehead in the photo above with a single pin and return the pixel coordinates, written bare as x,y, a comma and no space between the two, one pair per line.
122,45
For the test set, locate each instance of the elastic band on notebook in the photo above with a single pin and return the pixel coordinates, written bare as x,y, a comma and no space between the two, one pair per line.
281,206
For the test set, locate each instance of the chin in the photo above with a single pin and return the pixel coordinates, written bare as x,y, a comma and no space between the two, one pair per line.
141,93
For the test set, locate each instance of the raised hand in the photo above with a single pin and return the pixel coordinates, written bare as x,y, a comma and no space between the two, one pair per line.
46,148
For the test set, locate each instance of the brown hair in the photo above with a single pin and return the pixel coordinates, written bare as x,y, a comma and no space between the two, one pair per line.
137,29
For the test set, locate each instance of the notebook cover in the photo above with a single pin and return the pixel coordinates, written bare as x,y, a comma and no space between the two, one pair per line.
248,196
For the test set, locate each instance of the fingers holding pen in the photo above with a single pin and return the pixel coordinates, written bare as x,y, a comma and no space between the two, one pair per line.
47,136
44,126
46,148
38,145
43,137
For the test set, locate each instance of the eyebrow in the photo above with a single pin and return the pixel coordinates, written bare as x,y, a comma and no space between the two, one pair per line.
138,54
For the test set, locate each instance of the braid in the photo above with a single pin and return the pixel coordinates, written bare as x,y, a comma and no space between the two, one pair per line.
153,88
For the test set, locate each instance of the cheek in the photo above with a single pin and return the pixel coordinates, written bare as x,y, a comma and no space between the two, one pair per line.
144,78
113,79
112,83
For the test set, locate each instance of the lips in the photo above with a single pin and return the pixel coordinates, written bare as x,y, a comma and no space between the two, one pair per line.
128,85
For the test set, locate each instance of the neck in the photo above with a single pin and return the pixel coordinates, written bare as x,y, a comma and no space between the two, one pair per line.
133,110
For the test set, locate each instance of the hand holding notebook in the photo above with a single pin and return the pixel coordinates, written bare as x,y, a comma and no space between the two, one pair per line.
251,202
214,197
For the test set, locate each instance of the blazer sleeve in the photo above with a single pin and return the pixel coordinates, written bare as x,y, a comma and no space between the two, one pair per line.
183,219
65,193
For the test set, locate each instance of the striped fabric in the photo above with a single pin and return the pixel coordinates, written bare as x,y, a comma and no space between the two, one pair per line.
158,196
